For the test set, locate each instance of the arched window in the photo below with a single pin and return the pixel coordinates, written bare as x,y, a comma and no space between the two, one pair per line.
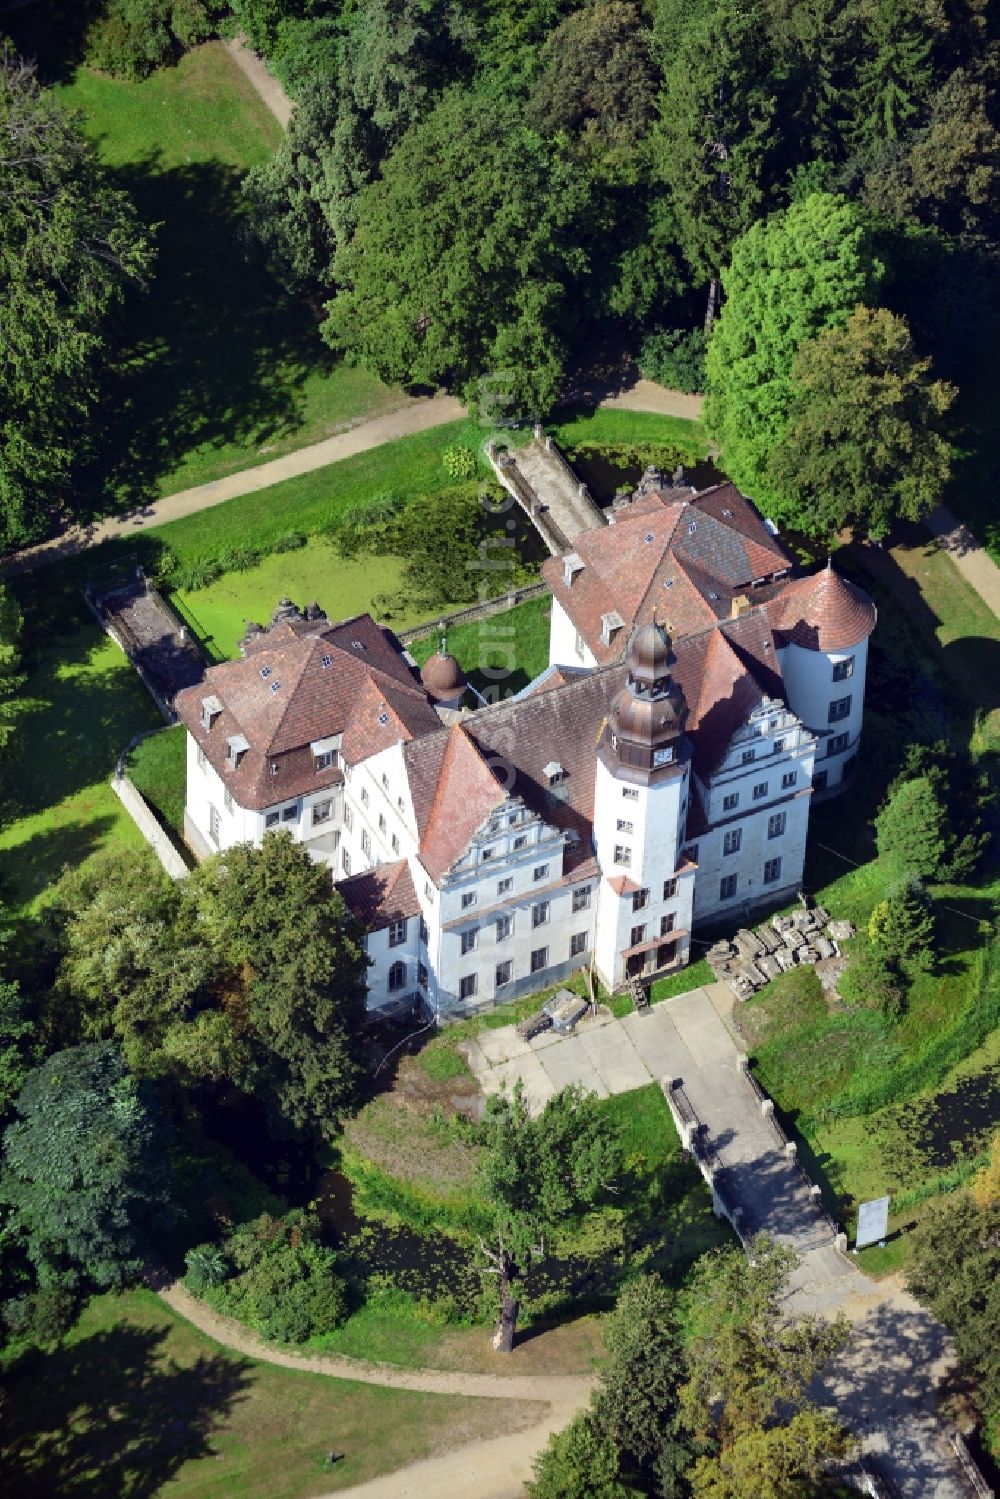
397,977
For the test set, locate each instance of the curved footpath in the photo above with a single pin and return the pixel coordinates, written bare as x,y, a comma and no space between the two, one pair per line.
496,1468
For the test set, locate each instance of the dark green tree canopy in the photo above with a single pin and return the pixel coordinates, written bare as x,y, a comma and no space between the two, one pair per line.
70,244
597,77
464,257
84,1175
912,830
864,445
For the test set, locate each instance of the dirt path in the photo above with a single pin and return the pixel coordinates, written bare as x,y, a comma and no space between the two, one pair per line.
266,85
418,416
495,1468
646,395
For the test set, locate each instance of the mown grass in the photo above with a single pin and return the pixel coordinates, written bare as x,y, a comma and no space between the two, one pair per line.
137,1401
220,367
632,429
500,654
157,768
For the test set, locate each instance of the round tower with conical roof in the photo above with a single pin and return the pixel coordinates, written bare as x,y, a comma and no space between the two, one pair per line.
641,794
822,624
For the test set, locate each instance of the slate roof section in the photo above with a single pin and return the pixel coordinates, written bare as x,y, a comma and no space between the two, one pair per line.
381,896
823,612
673,555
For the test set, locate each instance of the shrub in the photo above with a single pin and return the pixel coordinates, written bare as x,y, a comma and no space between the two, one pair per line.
277,1276
43,1316
206,1267
459,462
293,542
675,357
132,38
875,981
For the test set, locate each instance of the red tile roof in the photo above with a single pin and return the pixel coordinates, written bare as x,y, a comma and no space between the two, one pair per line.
823,612
381,896
301,681
466,793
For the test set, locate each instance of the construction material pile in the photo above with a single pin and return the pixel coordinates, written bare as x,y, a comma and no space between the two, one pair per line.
753,958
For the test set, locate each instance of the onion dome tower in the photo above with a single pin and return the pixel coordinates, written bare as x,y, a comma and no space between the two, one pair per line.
644,736
443,679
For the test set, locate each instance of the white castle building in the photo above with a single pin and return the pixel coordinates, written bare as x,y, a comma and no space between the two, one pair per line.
656,777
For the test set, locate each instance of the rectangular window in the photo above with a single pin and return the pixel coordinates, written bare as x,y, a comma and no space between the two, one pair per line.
772,871
625,827
504,973
487,853
349,818
421,975
837,744
271,819
345,859
290,813
731,802
397,932
539,959
365,798
581,898
213,823
321,812
843,669
779,745
540,913
819,780
394,844
748,756
202,758
366,843
520,841
325,761
731,842
638,935
505,925
381,822
504,887
839,708
468,985
577,944
668,923
424,933
623,855
727,887
469,941
640,899
760,791
669,889
469,898
776,825
227,797
788,779
630,794
541,872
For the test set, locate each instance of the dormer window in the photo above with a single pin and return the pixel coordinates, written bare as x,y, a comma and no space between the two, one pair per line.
572,564
210,710
237,747
611,623
326,753
265,672
554,772
326,661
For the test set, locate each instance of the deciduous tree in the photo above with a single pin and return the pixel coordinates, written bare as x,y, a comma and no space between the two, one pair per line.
70,244
799,272
864,444
538,1175
84,1173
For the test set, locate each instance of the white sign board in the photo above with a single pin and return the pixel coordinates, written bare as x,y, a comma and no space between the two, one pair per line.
873,1222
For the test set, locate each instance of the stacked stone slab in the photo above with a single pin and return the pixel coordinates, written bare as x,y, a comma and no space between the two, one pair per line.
753,958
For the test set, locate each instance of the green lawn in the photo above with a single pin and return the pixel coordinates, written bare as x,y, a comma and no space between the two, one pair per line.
220,367
158,769
137,1402
85,703
514,644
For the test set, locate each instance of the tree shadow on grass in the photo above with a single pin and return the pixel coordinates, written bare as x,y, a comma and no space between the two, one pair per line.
113,1415
213,353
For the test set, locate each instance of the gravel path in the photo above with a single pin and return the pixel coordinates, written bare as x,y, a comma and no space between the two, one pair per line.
495,1468
266,85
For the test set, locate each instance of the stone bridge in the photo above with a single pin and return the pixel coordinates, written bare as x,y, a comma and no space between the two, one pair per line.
558,505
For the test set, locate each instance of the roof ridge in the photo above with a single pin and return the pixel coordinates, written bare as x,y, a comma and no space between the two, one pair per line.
306,657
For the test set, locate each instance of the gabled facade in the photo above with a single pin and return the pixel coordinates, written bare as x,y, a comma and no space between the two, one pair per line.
657,776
